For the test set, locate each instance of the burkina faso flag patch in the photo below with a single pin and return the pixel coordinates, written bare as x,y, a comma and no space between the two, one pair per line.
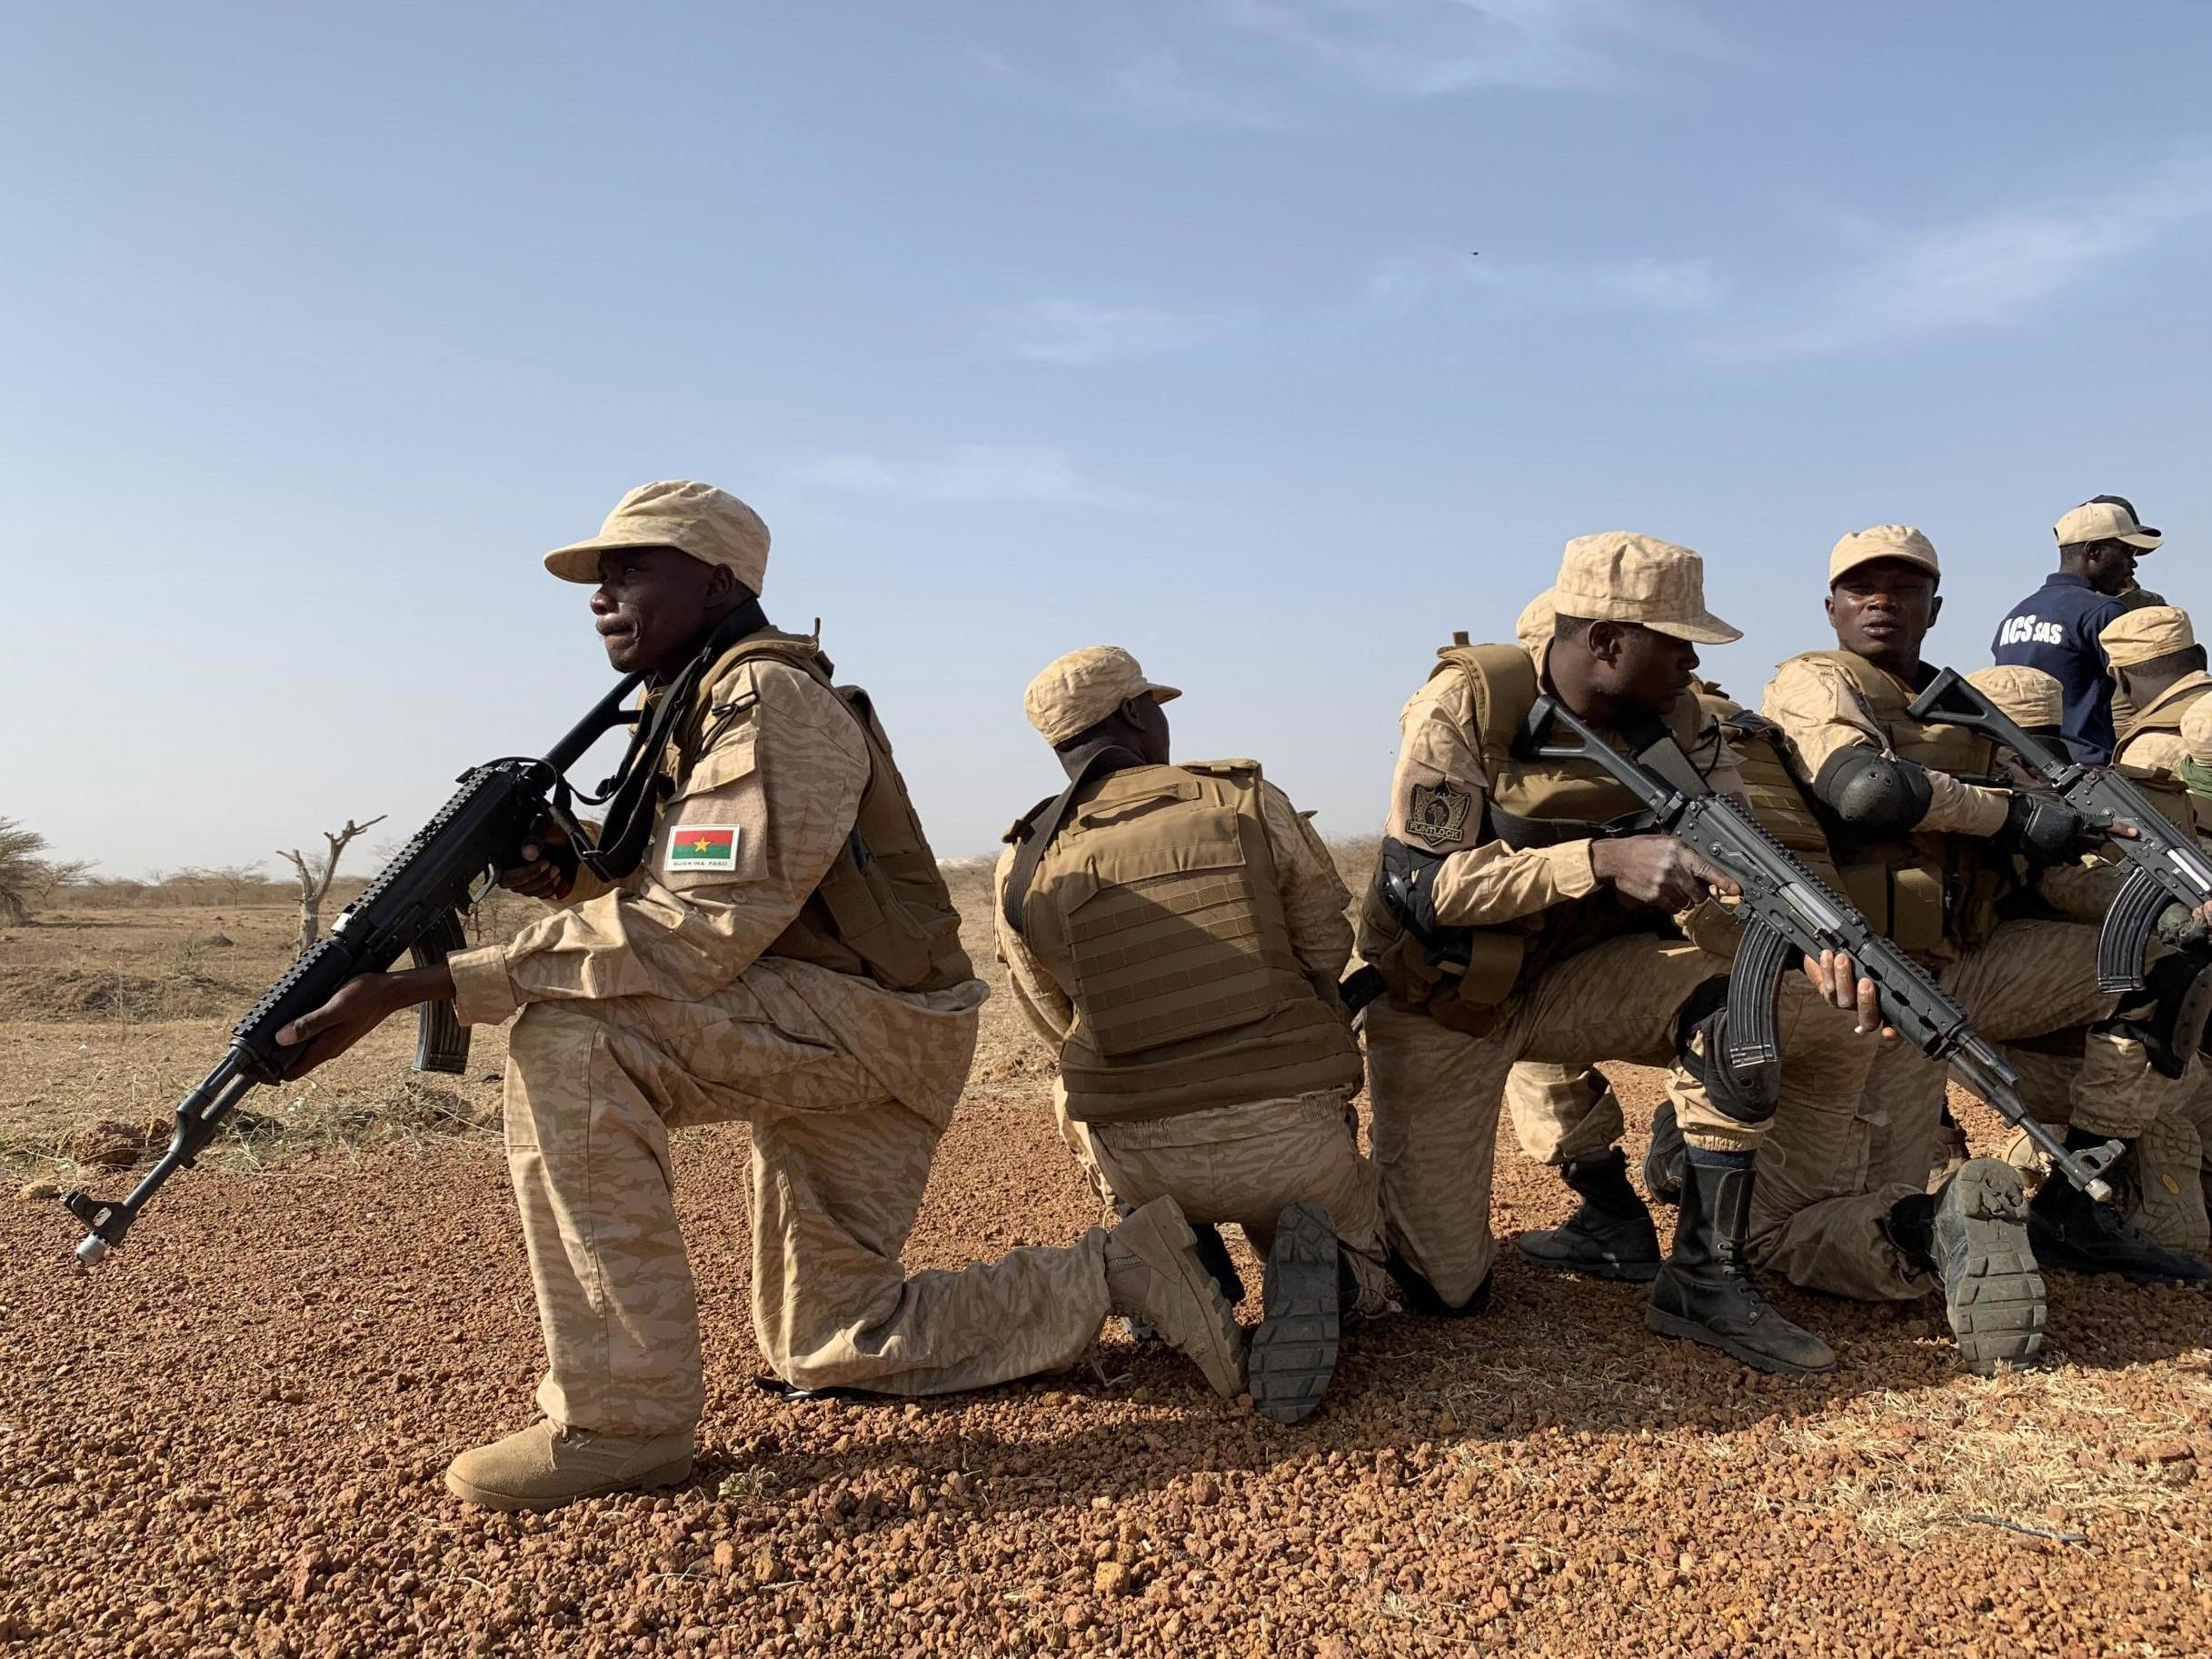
702,846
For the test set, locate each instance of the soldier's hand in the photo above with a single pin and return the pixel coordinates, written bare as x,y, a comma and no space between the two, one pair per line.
361,1005
539,876
1659,870
1837,980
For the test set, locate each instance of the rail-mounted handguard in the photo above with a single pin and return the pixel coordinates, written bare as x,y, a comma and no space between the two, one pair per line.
2165,865
413,906
1788,912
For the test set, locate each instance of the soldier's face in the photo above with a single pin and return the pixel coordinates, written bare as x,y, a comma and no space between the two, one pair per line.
1884,610
1651,670
1149,722
653,603
2111,568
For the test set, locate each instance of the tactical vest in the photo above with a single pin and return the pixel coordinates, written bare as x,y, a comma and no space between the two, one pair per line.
1157,908
1463,980
882,911
1928,893
2184,808
1777,801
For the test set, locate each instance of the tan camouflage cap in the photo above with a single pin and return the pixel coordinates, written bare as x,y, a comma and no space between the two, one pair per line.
712,526
2109,518
2032,697
1882,542
1536,623
2142,635
1620,576
2196,731
1075,692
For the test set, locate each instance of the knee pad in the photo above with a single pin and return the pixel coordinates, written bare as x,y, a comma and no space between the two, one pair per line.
1423,1297
2168,1015
1745,1095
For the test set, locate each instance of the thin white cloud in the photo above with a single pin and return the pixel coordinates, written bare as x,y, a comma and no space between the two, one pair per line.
1076,331
1996,270
1154,90
959,472
1429,48
1408,280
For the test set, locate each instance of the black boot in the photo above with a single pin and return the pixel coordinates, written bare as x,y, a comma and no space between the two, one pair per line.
1294,1353
2072,1232
1972,1234
1666,1157
1609,1236
1705,1293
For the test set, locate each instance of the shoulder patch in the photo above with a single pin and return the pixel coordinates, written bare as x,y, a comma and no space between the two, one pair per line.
702,846
1438,814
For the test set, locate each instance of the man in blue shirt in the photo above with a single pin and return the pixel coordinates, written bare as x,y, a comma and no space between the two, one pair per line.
2055,628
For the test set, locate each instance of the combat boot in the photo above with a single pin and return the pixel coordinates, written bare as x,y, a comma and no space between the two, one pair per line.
1704,1291
1667,1157
2073,1233
1610,1235
1212,1251
1294,1351
544,1466
2167,1197
1972,1234
1153,1273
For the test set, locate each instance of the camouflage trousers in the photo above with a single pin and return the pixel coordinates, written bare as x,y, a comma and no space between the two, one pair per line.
1436,1092
1561,1112
2167,1188
838,1172
1829,1175
1242,1164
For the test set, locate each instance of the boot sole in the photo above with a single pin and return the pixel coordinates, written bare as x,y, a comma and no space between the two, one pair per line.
2055,1255
652,1479
1674,1325
1294,1351
1995,1305
1630,1273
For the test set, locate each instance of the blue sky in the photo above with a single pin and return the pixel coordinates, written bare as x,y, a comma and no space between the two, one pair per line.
1028,327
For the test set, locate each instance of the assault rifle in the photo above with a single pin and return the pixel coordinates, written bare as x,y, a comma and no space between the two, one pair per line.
1787,909
2164,866
413,907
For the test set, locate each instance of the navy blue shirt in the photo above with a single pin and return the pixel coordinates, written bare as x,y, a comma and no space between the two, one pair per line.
2055,629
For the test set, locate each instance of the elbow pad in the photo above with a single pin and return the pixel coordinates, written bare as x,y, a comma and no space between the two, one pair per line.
1407,879
1876,796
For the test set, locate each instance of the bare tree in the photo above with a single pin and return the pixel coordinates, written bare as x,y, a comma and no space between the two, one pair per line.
26,878
314,883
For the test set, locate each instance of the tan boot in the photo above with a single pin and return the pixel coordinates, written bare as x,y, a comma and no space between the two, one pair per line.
544,1468
1153,1273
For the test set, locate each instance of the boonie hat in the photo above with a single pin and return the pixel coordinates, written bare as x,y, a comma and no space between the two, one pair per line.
1882,542
2146,634
712,526
2028,695
2108,518
1620,576
1536,623
1075,692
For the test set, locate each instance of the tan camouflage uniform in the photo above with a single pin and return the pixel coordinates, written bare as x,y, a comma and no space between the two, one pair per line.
653,1007
1436,1091
1243,1163
1828,1177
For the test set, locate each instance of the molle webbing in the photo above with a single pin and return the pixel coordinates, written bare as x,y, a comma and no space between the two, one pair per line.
1157,906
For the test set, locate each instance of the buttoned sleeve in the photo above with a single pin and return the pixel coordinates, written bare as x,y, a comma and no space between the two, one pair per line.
1437,798
755,825
1044,1003
1820,715
1314,897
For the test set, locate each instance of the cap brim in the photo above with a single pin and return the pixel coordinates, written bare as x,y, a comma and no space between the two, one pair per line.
1163,693
2145,538
1835,576
579,561
1706,629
